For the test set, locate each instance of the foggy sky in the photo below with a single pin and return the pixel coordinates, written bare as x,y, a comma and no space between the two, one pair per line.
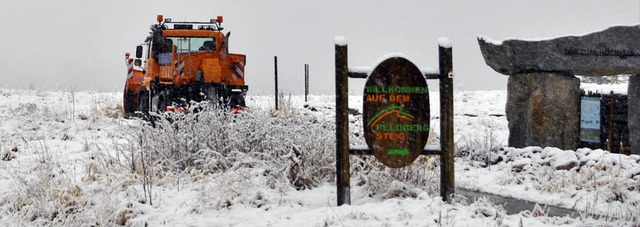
80,44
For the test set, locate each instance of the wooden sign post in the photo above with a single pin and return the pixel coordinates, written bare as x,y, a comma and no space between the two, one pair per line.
396,116
342,125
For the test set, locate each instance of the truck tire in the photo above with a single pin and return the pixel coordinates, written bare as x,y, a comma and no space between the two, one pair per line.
212,95
159,103
130,102
143,101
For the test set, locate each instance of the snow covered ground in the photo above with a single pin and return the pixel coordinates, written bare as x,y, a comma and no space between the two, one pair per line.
70,159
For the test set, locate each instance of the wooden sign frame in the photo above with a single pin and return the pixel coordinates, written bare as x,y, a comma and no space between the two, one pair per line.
445,150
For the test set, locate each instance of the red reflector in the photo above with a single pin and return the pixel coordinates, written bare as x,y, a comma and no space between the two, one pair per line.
236,110
127,54
174,109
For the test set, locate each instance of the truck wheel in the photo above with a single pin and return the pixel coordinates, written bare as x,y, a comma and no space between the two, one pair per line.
130,100
159,103
143,101
212,96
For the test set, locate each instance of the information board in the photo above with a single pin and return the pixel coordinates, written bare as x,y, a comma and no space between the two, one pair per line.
590,119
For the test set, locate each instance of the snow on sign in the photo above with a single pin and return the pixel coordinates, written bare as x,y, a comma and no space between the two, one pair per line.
396,112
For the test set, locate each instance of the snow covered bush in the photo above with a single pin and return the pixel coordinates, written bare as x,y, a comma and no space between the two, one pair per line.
377,180
384,182
214,168
480,142
283,149
292,148
50,194
593,178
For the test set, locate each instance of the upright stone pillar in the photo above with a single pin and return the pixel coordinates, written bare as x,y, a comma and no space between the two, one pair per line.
543,109
633,116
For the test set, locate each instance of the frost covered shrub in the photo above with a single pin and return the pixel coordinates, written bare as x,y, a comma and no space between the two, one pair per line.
43,197
237,187
478,144
378,180
50,195
423,175
110,111
293,147
595,178
483,207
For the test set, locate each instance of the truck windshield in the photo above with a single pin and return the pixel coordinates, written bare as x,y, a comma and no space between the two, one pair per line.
193,44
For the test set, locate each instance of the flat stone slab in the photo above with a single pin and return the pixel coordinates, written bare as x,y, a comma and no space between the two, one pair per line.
613,51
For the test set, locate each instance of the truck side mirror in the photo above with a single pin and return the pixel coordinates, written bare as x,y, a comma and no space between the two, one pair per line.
138,51
137,62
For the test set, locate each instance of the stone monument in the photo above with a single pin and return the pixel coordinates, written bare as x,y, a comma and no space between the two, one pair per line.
544,95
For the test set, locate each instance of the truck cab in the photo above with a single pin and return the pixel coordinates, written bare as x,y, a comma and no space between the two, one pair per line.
184,62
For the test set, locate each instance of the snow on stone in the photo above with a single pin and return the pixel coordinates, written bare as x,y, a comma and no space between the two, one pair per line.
521,163
634,171
489,40
499,42
536,39
564,160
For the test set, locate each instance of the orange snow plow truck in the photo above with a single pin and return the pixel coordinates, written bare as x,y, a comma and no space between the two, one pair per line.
181,62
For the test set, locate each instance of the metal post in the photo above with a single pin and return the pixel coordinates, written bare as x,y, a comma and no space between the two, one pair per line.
632,113
447,184
306,81
342,126
610,143
275,65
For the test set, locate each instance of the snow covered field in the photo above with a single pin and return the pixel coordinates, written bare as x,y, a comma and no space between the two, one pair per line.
70,159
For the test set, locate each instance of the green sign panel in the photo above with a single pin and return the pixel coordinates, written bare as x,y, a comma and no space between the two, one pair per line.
396,112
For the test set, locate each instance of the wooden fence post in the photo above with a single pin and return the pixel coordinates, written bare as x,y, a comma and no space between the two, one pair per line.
306,82
275,66
447,184
342,125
